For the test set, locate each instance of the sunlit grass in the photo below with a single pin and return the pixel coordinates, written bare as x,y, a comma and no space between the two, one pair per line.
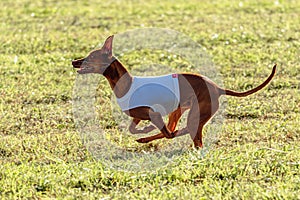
42,154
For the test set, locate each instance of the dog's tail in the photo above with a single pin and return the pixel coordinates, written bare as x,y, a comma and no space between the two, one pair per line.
243,94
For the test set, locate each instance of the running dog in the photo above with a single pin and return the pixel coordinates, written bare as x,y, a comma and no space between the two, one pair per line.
150,98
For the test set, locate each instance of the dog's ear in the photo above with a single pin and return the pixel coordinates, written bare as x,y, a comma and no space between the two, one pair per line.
107,47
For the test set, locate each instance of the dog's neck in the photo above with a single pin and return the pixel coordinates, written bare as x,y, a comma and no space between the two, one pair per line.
119,78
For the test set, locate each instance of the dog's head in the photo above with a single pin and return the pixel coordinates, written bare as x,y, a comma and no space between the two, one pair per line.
97,61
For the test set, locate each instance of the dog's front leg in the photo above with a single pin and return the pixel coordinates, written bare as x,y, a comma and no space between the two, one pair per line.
134,130
177,133
158,121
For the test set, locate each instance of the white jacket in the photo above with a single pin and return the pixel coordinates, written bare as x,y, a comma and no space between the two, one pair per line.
160,93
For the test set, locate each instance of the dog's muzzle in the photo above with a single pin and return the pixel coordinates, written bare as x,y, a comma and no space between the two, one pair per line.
77,63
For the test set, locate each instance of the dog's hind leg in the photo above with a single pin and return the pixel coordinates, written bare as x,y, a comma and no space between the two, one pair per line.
174,118
199,115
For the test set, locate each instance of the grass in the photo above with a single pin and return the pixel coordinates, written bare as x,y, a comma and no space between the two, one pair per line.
41,152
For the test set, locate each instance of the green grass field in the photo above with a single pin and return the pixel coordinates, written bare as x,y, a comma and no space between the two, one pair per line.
42,156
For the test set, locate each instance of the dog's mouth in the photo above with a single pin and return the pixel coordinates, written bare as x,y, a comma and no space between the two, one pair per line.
78,64
85,70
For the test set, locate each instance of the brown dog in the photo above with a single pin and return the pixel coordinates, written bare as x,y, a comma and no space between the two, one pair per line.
197,93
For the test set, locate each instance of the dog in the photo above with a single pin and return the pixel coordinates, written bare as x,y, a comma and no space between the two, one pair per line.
195,93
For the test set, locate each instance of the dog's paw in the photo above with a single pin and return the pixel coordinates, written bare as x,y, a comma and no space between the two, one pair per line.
142,140
171,135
